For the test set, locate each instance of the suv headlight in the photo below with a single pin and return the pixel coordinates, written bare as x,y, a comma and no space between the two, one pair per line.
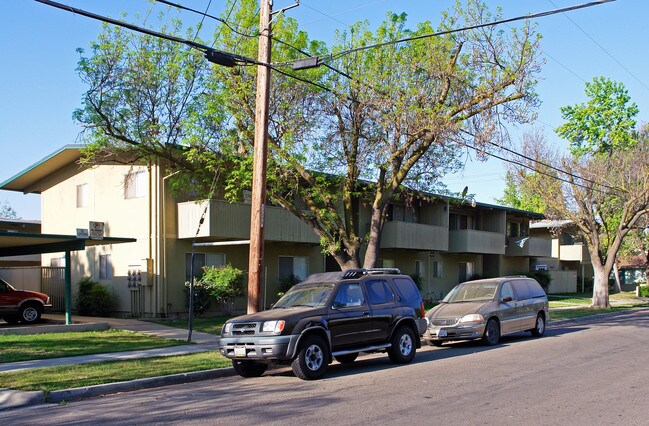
227,328
472,318
273,326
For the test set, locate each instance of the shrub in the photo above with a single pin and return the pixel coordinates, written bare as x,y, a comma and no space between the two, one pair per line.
285,284
644,291
223,283
93,298
416,278
543,278
202,298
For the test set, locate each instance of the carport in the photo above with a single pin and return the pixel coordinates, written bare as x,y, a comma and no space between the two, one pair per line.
19,244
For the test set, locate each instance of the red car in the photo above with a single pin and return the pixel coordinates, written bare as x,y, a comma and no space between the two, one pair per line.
21,305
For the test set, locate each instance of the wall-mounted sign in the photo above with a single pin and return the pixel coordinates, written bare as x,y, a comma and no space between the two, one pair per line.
82,233
96,230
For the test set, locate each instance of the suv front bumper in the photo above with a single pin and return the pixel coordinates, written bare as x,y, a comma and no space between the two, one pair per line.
258,347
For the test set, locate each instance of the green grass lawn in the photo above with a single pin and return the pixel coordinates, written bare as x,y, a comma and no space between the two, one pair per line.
211,325
56,345
73,376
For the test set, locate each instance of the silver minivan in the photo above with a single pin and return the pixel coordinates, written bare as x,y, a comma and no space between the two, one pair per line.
487,309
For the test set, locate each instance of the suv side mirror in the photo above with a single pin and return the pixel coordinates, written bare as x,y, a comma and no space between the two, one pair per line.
506,299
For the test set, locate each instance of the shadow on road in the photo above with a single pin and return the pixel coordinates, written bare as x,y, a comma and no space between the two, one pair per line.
375,362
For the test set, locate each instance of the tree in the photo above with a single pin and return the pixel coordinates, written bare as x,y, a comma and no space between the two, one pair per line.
602,125
391,118
394,117
145,96
519,195
7,212
604,196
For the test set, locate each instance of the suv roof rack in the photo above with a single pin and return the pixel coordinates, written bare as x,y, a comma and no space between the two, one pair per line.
356,273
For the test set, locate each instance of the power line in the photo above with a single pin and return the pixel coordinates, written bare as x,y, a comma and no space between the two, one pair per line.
536,170
211,54
326,16
472,27
216,18
200,25
604,50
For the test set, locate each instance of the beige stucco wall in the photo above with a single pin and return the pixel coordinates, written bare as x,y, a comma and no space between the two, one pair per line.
105,203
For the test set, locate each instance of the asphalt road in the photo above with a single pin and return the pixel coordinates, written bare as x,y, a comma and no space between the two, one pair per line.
585,372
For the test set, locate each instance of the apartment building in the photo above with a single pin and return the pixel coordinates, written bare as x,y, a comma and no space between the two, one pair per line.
441,240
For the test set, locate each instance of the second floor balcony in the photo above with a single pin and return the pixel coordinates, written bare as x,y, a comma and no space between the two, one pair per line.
529,246
416,236
474,241
574,253
231,221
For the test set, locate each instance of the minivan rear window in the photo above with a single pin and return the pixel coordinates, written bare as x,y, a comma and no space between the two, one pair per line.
407,289
527,289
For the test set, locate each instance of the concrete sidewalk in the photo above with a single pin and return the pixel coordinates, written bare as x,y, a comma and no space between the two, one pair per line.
201,342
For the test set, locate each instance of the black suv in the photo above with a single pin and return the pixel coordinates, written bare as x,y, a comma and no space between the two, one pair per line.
332,315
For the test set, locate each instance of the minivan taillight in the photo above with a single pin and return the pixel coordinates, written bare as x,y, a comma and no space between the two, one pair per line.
423,310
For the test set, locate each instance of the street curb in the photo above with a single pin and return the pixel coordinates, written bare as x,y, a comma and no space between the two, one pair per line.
15,399
132,385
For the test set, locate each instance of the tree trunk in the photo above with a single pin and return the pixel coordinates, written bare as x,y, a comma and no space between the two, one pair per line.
600,287
374,242
617,287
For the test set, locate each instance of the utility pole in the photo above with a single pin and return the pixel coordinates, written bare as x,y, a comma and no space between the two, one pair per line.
257,208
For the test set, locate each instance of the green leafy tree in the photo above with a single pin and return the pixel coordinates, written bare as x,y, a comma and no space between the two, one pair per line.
603,124
394,117
518,195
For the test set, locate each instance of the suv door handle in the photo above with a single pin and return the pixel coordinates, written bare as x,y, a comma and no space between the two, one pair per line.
366,312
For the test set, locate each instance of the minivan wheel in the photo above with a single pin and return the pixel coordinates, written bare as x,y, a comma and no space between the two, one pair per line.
30,313
539,328
311,361
403,349
249,368
491,334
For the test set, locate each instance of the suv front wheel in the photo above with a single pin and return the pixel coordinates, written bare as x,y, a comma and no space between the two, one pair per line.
403,349
311,361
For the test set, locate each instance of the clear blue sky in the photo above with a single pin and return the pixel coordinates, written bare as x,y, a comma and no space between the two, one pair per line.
40,89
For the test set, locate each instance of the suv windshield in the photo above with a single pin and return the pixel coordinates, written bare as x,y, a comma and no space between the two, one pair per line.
311,295
471,292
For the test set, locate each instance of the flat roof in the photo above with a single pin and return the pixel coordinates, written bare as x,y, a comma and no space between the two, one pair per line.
22,243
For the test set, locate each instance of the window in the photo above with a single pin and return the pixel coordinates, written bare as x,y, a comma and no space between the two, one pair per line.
58,262
349,295
506,291
105,267
298,266
407,289
420,269
82,195
465,271
135,185
437,269
201,260
385,263
460,221
379,292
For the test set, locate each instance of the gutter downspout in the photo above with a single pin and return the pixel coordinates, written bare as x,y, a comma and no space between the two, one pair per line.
163,256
